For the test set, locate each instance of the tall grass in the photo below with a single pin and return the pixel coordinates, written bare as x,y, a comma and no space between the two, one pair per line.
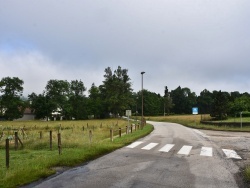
35,160
193,121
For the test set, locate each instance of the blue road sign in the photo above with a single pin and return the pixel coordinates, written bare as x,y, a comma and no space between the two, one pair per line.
195,110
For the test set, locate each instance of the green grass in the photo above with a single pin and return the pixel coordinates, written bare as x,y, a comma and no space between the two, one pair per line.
35,160
193,121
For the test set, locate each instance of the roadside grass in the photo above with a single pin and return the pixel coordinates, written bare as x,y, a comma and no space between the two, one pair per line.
35,160
193,121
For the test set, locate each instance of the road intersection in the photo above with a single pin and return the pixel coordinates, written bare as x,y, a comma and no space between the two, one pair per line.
171,156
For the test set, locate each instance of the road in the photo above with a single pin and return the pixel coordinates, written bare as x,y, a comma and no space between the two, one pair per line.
171,156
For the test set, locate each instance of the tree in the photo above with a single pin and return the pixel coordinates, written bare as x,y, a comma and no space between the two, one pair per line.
153,103
205,101
57,96
167,101
220,106
183,100
95,103
77,100
240,104
116,91
11,105
39,105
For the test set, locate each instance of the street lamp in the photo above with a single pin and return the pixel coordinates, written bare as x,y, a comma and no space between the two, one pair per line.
142,99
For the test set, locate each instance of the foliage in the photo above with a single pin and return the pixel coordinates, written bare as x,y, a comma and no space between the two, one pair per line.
220,105
114,96
77,100
95,103
11,105
153,103
205,101
183,100
116,91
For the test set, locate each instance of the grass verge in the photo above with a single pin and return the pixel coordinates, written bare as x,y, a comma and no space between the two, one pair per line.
35,160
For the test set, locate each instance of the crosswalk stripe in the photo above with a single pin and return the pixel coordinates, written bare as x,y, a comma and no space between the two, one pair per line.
150,146
185,150
167,148
231,154
133,145
206,151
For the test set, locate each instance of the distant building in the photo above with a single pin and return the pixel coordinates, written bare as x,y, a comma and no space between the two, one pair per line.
27,115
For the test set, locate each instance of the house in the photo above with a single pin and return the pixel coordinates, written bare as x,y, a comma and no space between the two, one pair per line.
27,115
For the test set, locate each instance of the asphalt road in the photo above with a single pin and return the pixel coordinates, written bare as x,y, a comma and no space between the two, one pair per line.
171,156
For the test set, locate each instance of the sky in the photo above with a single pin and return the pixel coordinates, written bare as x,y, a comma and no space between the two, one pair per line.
199,44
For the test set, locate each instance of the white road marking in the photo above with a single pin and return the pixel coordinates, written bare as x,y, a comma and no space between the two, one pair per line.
185,150
133,145
206,151
150,146
167,148
201,133
231,154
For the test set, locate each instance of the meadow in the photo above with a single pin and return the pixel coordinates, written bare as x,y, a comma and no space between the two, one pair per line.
81,141
193,121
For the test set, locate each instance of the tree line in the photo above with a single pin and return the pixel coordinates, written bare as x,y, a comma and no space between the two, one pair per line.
112,98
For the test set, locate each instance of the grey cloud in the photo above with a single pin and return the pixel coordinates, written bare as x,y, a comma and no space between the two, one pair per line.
195,44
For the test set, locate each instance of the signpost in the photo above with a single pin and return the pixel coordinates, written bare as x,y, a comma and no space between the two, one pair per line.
128,113
195,110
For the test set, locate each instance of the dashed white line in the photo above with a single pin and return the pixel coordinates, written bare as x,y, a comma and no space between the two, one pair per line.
185,150
133,145
206,151
167,148
231,154
150,146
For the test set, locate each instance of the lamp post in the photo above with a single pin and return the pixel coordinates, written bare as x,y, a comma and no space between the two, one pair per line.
241,120
142,99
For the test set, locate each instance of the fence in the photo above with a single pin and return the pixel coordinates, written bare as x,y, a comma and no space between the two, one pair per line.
16,141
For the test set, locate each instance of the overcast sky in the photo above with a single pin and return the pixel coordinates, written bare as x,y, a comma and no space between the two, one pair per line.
199,44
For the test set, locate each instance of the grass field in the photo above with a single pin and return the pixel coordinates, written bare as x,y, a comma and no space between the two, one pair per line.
193,121
35,160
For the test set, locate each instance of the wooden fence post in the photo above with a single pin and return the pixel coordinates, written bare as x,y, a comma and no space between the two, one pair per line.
90,136
7,148
16,140
131,128
19,140
126,129
50,140
41,134
59,143
111,135
120,132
